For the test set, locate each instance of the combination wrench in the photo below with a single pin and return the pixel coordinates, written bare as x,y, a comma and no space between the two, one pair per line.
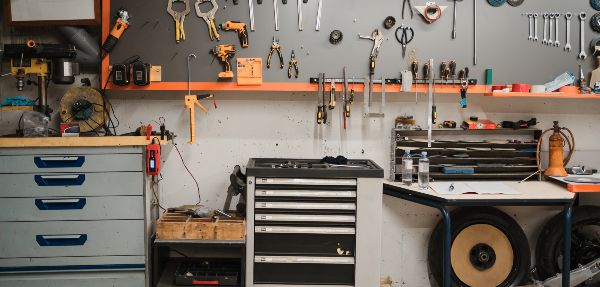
568,16
276,10
535,26
530,20
550,34
545,40
582,55
556,18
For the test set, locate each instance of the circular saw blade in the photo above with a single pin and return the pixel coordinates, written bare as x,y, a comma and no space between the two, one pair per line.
94,116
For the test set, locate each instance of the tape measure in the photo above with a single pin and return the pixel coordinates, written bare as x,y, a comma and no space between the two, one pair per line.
515,3
595,22
496,3
595,4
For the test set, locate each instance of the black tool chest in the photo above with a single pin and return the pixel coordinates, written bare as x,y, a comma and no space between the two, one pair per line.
308,228
304,228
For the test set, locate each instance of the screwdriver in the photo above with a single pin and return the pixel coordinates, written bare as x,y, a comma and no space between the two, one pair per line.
414,67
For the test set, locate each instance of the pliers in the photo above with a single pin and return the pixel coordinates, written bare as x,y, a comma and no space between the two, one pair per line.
294,64
275,47
409,8
209,18
179,17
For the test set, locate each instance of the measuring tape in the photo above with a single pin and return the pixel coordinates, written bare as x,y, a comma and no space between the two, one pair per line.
496,3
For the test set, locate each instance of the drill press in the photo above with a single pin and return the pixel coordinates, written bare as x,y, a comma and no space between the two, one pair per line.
46,61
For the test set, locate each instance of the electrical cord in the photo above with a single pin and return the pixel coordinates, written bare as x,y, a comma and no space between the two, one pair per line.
188,170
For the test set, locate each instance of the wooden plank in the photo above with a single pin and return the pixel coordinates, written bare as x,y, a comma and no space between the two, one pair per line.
17,108
76,141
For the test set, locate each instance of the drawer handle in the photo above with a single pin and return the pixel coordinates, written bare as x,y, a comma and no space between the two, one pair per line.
205,282
58,161
60,204
59,180
61,240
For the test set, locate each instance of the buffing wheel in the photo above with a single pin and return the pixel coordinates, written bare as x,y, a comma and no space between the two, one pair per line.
595,22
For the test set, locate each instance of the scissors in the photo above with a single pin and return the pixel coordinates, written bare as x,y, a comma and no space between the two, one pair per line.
405,39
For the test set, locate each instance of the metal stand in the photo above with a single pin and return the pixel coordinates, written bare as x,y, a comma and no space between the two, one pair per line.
442,204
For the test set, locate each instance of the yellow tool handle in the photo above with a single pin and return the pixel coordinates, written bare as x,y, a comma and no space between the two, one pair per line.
177,29
182,31
213,29
192,126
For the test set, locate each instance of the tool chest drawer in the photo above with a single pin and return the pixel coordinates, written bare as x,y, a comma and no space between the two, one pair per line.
299,193
296,205
303,270
304,244
79,279
68,238
71,163
71,208
72,184
271,218
70,264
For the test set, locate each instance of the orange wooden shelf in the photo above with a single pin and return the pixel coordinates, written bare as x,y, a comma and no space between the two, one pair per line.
544,95
17,108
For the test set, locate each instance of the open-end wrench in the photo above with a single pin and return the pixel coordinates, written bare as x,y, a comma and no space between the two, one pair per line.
582,55
276,10
251,8
545,40
568,16
530,20
535,26
556,18
550,33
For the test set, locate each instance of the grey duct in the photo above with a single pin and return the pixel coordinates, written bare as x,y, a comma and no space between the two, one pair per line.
88,50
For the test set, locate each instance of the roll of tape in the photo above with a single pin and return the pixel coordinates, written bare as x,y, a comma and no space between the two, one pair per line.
595,4
538,89
520,88
496,3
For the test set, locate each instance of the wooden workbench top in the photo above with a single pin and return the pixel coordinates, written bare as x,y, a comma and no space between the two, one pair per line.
75,141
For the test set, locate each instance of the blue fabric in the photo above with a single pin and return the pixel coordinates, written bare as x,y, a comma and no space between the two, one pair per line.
17,101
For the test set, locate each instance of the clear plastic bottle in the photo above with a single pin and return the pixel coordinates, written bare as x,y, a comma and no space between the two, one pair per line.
423,171
407,168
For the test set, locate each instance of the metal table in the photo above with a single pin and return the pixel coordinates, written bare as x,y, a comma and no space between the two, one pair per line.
533,193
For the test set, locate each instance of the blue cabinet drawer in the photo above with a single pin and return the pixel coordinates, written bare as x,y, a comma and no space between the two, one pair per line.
71,208
71,184
71,238
87,279
70,163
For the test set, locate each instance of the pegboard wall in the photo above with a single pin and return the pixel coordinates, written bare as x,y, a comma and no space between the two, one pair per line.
501,39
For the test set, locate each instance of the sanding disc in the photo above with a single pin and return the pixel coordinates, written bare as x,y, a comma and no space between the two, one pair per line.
595,22
515,3
496,3
83,105
595,4
482,256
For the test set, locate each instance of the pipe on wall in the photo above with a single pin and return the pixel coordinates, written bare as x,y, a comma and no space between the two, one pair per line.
88,50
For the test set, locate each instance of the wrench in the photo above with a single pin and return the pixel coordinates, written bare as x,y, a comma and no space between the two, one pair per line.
535,26
582,55
530,20
276,10
300,15
568,16
319,8
556,18
545,41
251,8
550,34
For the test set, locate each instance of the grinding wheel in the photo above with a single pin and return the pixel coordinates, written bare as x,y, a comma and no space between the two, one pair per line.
482,256
515,3
496,3
83,105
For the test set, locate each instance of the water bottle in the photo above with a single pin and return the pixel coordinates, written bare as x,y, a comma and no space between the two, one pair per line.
423,171
407,168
